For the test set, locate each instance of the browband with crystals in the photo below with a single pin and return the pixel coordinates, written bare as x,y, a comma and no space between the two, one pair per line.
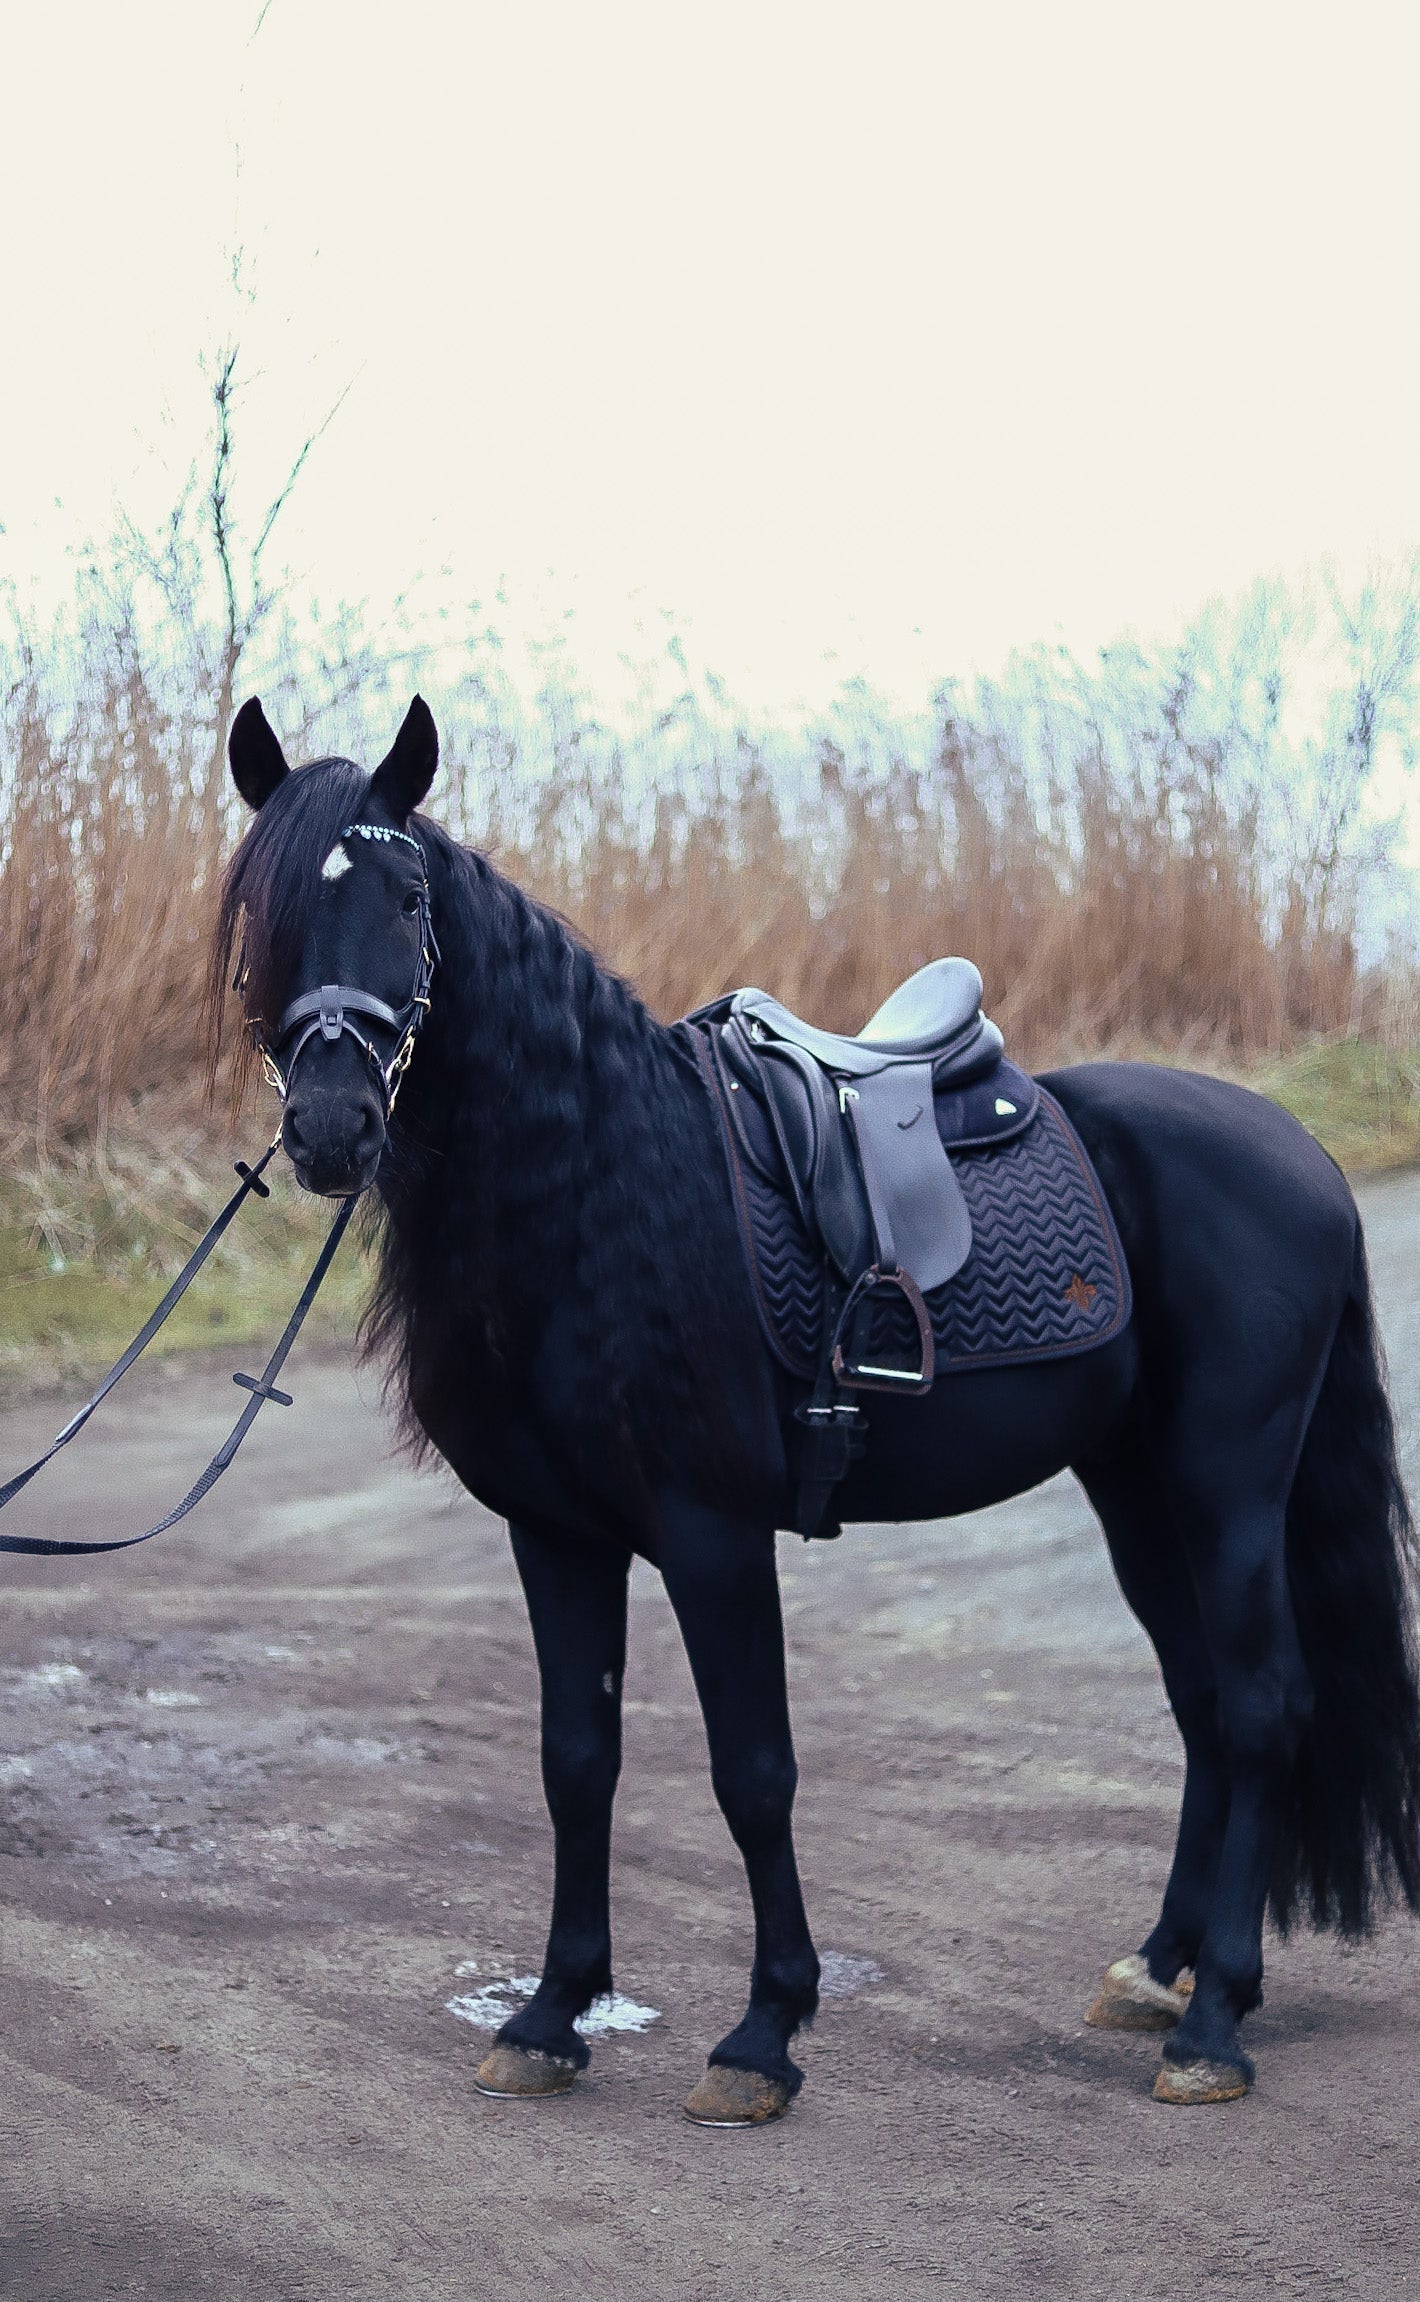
381,831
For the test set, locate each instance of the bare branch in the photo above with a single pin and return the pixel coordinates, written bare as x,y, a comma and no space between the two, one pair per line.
294,474
223,393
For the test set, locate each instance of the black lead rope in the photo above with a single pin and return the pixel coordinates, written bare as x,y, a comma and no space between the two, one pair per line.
327,1011
261,1388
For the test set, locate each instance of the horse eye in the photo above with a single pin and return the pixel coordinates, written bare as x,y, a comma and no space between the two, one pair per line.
411,903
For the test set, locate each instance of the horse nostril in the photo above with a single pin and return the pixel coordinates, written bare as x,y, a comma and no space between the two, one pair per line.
333,1135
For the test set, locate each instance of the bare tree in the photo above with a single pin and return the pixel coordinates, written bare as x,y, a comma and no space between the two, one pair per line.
203,545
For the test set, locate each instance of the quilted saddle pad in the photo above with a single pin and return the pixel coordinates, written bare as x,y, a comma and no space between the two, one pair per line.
1045,1278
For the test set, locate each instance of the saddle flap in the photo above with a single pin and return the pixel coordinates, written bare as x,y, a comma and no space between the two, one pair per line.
891,1191
919,1214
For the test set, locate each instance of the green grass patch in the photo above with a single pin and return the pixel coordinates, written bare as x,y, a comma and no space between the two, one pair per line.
1360,1099
87,1248
88,1245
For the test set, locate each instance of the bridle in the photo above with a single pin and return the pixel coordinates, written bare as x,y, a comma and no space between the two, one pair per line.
328,1013
331,1010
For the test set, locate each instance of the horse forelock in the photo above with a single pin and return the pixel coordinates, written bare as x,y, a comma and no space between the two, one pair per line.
273,881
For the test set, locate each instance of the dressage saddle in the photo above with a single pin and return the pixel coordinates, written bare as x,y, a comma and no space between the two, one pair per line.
857,1166
856,1121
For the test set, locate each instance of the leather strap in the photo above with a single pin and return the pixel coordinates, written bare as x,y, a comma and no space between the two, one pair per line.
333,1002
905,1169
261,1388
327,1011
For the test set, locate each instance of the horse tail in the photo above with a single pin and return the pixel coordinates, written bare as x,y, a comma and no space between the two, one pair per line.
1349,1841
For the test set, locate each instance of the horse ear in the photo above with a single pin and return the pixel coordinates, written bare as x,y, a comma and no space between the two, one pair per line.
403,777
258,762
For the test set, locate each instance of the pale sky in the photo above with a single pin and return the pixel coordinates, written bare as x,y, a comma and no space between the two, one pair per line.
874,340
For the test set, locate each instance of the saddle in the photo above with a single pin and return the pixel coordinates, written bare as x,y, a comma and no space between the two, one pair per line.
848,1156
855,1123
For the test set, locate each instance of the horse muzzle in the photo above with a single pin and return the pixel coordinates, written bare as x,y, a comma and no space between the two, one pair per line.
334,1140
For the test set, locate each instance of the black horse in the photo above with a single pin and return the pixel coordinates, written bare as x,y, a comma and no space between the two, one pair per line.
563,1299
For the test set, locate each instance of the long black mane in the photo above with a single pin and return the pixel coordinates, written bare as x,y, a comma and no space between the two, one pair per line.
552,1188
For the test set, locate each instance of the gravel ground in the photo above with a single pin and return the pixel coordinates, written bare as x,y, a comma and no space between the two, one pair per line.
269,1801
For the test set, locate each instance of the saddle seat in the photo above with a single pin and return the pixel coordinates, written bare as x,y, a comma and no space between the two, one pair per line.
934,1017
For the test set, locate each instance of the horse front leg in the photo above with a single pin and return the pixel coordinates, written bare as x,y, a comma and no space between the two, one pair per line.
576,1594
722,1580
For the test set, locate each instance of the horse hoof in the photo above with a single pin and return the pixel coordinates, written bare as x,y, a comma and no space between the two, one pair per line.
1188,2082
1132,2000
518,2073
727,2097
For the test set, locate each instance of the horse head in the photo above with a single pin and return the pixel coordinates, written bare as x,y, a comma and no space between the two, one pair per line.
329,893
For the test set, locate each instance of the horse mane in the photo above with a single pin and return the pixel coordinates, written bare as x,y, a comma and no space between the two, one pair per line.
553,1156
578,1165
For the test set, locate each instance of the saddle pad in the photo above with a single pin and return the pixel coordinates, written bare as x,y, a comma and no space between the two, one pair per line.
1046,1276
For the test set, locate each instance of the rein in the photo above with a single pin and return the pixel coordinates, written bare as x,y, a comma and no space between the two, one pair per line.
328,1012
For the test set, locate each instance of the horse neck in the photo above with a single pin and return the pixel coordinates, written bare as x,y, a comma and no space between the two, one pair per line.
540,1087
561,1239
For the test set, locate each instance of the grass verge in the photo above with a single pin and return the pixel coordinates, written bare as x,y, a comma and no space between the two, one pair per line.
1360,1099
89,1242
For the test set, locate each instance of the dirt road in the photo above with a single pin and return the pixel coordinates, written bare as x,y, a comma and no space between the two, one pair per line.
269,1800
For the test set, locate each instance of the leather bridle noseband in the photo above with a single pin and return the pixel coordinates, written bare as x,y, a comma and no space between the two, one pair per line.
331,1011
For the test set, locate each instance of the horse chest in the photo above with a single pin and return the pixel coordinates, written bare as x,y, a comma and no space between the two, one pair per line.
502,1445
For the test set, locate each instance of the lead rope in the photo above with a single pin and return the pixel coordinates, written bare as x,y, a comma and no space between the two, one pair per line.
327,1011
261,1387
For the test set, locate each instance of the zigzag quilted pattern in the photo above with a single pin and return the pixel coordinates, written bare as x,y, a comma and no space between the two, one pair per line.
1045,1278
790,1276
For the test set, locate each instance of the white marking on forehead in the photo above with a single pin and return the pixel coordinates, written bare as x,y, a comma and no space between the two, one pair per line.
336,864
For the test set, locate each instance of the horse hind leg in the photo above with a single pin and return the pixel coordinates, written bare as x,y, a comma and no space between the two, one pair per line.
1149,1990
1264,1700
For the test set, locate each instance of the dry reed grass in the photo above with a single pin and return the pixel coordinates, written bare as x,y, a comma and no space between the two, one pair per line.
1163,855
1125,884
1112,917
